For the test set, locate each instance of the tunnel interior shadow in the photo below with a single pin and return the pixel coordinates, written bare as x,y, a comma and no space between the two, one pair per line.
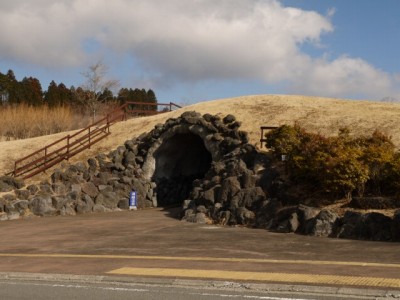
179,161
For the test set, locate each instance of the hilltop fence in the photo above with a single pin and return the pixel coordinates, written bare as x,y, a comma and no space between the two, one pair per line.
72,144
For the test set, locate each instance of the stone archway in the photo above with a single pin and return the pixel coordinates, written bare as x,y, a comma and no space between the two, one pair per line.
230,186
179,160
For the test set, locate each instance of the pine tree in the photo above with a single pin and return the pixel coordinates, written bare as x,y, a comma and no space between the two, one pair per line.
31,91
52,95
151,98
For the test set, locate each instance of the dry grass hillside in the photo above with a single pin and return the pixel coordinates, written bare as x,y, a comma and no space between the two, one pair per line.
322,115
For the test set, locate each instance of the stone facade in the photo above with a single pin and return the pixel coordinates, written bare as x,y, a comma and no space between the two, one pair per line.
203,163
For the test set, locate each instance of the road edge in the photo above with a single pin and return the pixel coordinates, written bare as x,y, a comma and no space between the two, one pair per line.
340,292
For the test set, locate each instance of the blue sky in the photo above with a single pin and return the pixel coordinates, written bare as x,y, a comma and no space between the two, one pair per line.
369,29
191,51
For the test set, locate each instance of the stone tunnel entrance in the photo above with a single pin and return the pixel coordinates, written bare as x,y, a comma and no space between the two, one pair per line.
179,160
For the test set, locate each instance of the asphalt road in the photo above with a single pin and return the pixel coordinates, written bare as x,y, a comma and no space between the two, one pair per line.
50,290
148,244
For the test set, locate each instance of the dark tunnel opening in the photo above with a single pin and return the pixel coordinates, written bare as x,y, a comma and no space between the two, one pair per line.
179,161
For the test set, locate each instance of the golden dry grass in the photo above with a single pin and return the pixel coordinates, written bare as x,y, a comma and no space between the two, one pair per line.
317,114
23,121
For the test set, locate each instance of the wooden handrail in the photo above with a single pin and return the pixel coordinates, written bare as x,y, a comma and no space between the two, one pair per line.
71,145
263,128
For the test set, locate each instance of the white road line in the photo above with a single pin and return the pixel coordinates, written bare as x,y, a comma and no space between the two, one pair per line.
245,296
117,289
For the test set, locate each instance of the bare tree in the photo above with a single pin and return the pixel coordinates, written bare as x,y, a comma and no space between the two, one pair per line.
96,83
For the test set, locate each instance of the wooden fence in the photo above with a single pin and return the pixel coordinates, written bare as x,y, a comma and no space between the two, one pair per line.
70,145
263,130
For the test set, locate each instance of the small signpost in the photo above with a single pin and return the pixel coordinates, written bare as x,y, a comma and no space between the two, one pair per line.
133,200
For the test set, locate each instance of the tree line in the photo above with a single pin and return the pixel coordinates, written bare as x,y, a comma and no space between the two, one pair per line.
29,91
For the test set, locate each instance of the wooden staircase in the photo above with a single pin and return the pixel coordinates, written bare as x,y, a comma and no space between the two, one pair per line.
70,145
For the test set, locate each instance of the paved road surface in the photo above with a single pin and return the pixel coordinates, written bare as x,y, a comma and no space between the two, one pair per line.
153,244
50,290
66,291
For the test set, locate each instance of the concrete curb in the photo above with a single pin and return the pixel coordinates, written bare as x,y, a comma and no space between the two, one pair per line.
339,292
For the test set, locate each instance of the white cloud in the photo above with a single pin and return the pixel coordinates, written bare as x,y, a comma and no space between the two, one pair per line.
187,41
344,76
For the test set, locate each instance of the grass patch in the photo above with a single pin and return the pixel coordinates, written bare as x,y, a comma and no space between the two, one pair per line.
23,121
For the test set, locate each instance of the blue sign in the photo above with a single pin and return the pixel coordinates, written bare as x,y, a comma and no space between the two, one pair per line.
132,199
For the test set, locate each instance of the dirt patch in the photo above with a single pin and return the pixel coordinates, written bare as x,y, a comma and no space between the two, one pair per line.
374,203
341,206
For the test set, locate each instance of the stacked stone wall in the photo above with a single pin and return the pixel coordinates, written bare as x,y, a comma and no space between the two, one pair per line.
233,191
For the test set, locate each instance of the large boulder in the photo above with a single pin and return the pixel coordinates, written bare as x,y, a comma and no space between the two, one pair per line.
249,197
68,210
14,183
21,206
90,189
285,220
4,187
2,204
229,188
211,194
42,205
350,226
377,227
245,216
22,194
396,226
85,205
266,213
107,199
33,189
322,224
59,188
305,214
371,226
59,202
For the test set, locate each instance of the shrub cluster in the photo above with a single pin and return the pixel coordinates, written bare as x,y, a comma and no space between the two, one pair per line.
341,165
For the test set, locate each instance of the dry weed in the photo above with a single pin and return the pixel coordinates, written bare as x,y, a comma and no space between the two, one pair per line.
23,121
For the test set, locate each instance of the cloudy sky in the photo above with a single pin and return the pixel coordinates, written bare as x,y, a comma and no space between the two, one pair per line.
193,50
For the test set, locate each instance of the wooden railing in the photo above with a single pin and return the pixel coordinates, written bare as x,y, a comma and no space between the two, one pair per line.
145,108
70,145
263,129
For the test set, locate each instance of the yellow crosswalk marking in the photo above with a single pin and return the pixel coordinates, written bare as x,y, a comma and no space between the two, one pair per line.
261,276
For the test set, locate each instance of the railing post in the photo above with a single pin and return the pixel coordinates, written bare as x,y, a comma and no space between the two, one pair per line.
45,157
262,135
170,106
89,136
68,137
15,169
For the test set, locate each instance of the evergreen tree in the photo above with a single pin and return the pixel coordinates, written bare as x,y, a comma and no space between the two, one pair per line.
10,87
123,96
31,91
3,89
106,96
52,95
96,90
65,94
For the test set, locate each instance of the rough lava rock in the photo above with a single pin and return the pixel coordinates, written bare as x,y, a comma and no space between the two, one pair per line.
224,181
